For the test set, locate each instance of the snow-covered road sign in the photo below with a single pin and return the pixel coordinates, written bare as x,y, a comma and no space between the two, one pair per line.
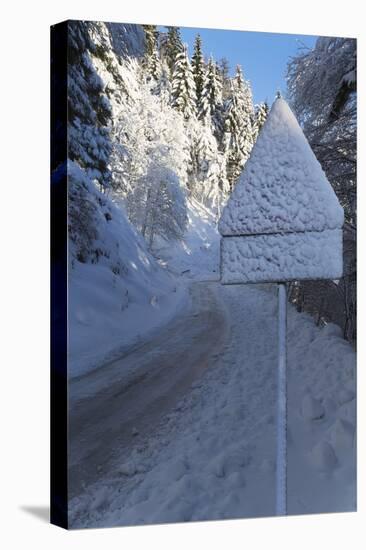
283,220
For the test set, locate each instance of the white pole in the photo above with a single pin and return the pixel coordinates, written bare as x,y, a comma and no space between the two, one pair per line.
281,467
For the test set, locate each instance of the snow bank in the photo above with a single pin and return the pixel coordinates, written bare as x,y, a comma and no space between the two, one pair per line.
118,291
322,418
108,312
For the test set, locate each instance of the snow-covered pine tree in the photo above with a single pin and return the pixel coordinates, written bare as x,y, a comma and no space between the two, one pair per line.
218,190
224,69
153,66
165,206
183,95
211,98
260,117
163,87
151,39
172,46
238,126
205,148
245,91
89,109
208,172
95,89
198,67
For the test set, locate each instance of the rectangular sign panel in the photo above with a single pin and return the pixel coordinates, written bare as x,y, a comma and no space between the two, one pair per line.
281,257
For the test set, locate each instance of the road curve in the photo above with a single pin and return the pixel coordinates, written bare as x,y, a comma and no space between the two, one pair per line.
109,413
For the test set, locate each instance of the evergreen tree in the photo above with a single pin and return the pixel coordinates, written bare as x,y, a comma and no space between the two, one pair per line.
224,69
244,92
198,67
238,126
173,46
208,179
89,108
205,148
151,39
211,99
163,87
153,66
260,118
183,96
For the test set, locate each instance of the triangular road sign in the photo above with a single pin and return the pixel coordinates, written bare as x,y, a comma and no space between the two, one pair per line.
283,220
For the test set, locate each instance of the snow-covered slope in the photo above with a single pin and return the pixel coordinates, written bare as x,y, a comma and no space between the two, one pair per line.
121,291
127,39
197,255
117,290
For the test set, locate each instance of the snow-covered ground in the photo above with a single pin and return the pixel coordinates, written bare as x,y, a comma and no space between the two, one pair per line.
184,400
114,301
213,455
109,312
197,256
129,395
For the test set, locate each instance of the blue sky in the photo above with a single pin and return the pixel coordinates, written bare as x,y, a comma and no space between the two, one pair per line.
263,56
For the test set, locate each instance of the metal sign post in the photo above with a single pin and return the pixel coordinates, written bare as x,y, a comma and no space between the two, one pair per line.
281,470
282,222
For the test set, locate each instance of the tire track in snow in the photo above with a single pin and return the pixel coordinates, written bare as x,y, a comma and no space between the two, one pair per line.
110,412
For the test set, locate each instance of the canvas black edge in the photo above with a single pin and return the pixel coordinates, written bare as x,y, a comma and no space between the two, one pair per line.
59,330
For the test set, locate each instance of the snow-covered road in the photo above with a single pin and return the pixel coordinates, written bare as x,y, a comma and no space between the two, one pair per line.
127,397
191,436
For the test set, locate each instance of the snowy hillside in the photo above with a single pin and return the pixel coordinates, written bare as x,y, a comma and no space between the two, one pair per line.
130,159
127,39
117,300
118,290
197,255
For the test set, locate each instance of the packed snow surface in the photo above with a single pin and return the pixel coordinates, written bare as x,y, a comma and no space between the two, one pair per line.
212,456
288,256
282,187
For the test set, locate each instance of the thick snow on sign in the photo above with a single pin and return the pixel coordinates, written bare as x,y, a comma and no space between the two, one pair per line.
283,220
292,256
283,187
